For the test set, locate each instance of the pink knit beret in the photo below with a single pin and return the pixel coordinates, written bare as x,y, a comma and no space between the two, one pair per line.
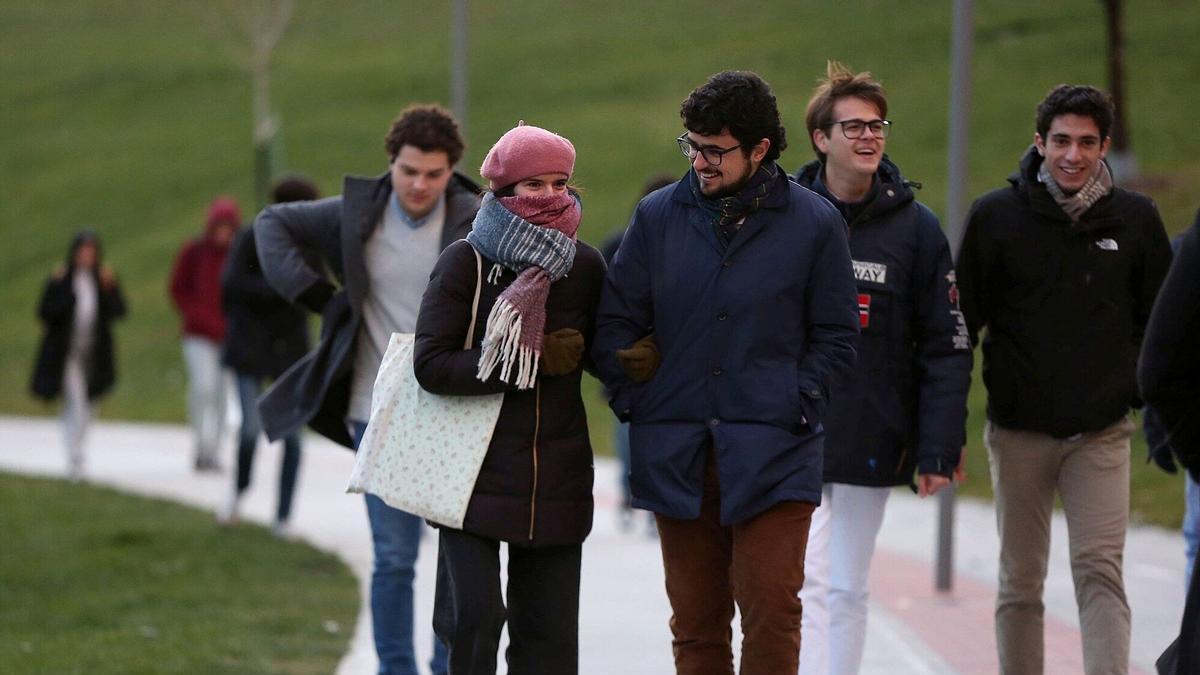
527,151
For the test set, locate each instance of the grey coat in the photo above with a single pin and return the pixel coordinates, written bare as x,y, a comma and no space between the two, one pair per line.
297,242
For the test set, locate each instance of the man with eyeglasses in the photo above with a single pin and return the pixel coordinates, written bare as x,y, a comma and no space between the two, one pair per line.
903,410
1061,268
727,315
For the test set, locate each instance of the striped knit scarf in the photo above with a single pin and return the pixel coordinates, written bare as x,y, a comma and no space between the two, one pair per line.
1077,204
534,237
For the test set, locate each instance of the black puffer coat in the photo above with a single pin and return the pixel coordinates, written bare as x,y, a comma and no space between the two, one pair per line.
535,487
57,312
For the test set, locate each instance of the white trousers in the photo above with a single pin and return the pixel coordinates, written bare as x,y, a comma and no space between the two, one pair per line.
841,541
207,391
76,410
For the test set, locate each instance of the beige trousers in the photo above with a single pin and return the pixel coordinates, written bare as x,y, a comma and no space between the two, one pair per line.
1090,472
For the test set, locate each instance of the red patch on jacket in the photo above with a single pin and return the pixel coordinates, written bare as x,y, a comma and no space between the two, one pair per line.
864,310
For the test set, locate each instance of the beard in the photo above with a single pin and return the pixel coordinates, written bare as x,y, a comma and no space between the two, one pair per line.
736,186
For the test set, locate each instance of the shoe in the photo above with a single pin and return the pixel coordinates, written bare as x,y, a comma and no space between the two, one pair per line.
229,514
75,473
624,519
283,530
207,464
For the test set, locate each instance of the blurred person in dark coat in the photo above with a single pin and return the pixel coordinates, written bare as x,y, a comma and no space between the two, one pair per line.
265,334
1169,378
196,291
76,360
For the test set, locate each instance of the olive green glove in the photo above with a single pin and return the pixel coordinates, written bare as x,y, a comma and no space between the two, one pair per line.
561,351
641,360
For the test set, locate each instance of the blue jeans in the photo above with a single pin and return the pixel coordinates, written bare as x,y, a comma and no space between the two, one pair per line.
249,387
396,536
1191,523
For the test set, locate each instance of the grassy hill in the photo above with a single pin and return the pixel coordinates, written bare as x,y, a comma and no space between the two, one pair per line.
130,116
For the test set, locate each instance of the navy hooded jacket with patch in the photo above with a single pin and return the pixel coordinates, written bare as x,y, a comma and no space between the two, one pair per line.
904,406
752,336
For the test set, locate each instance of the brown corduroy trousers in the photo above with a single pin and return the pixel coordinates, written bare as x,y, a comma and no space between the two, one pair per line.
759,564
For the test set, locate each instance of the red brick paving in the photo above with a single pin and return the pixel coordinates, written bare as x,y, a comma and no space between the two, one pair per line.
958,626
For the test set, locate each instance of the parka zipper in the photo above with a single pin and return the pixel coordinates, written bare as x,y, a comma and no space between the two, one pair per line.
537,426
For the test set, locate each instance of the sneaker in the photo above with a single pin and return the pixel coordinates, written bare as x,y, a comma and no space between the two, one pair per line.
624,519
282,530
229,514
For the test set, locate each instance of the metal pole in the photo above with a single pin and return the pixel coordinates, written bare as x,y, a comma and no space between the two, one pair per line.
956,211
458,62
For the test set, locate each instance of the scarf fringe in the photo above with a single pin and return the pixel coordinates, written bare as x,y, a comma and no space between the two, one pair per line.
502,347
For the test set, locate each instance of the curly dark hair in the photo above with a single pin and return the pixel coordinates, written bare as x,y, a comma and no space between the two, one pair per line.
740,101
1076,99
428,128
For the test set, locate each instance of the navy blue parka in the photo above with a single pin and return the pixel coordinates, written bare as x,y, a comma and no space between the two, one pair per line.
904,407
752,336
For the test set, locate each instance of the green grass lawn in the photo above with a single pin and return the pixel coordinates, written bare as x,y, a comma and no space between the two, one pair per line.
94,581
131,116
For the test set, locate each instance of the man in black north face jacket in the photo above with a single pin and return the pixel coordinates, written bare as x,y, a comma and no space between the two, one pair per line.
1060,269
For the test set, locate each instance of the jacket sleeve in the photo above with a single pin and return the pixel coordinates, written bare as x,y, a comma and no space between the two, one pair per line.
596,273
973,265
1152,269
831,324
112,301
1169,367
182,275
942,351
58,302
625,313
242,282
440,363
293,239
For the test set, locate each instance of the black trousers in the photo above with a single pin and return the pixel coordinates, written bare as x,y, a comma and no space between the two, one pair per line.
542,612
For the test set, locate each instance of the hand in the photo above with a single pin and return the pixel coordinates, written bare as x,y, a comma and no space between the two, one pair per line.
561,351
929,483
641,360
107,278
960,471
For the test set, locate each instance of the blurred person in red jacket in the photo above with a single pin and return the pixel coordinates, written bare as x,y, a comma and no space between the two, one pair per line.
196,292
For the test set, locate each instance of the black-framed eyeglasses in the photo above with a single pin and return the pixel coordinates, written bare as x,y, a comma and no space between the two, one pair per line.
712,154
853,129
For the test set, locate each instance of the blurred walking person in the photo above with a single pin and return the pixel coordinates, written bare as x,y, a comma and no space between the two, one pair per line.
380,238
536,317
77,359
196,291
265,335
1061,268
903,409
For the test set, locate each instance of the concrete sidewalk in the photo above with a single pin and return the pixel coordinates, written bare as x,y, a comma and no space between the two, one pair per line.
623,622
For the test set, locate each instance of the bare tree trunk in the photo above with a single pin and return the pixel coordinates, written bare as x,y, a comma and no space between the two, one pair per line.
1120,155
257,26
